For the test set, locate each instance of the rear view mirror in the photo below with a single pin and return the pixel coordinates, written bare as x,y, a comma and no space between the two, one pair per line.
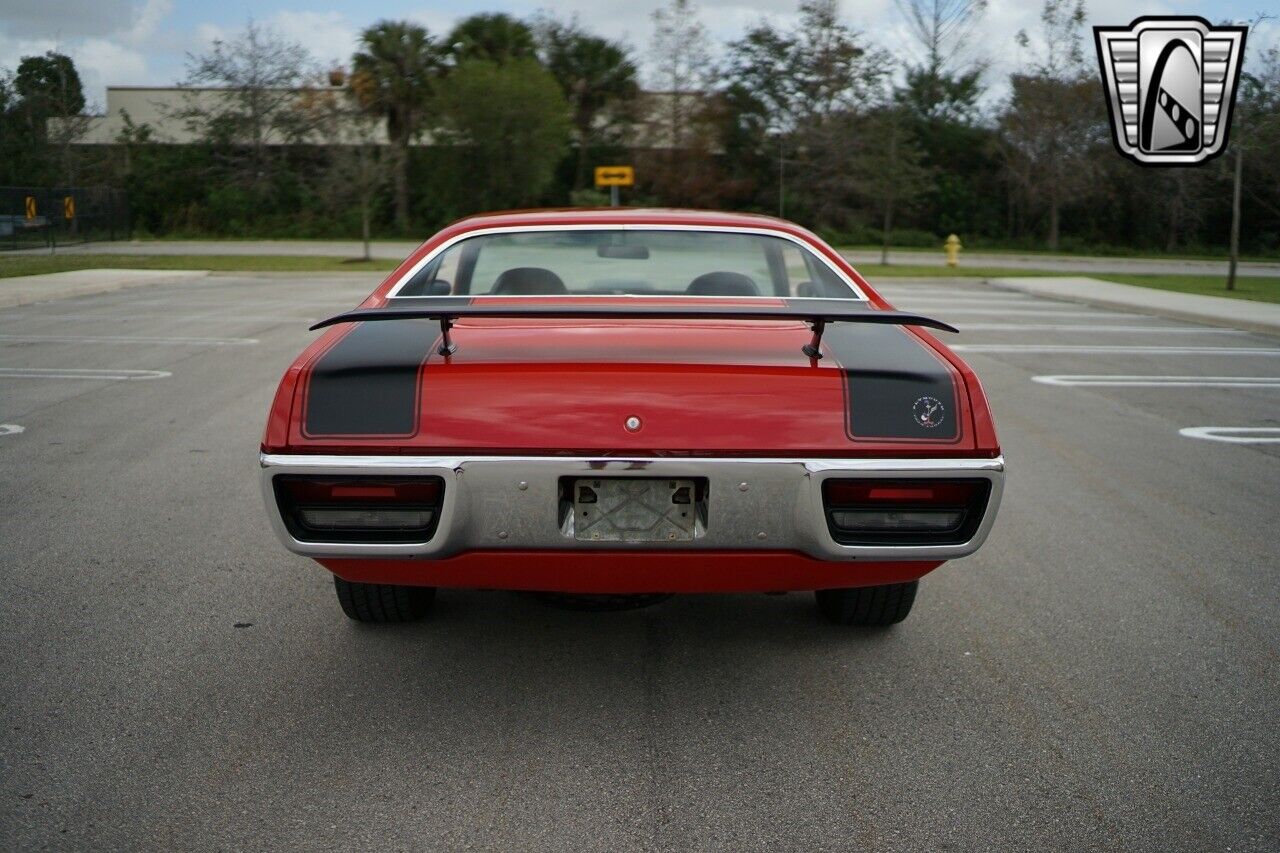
439,287
626,253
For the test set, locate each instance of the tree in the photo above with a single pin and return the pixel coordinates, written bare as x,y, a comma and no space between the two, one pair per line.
890,170
260,73
49,85
512,121
681,112
1256,133
394,75
939,86
352,173
834,71
683,68
496,37
45,101
1052,123
811,84
599,80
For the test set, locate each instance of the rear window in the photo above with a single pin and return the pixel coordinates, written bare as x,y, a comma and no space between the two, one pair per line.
627,262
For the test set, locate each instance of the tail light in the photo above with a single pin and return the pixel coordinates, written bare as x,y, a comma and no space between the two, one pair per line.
904,512
359,509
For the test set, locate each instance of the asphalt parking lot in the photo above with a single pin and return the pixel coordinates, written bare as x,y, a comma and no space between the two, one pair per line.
1104,674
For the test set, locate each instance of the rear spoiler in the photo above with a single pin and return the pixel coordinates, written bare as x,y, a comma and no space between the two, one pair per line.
816,312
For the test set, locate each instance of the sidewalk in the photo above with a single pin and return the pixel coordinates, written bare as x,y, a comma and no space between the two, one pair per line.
25,289
1214,310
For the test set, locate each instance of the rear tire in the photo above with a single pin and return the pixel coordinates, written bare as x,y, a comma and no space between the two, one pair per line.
868,606
382,603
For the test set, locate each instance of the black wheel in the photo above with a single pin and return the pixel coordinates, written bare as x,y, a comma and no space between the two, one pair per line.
599,603
383,603
868,606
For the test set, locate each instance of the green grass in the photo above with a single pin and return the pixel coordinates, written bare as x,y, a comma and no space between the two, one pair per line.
12,265
875,271
1258,289
1090,252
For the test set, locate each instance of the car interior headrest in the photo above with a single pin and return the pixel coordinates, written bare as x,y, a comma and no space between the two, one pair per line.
722,284
528,281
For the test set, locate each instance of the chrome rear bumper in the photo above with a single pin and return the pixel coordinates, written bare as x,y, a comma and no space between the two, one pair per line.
509,502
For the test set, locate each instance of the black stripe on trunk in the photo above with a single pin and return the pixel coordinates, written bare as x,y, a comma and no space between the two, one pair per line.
897,388
367,383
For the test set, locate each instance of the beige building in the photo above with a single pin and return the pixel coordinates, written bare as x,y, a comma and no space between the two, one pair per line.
162,109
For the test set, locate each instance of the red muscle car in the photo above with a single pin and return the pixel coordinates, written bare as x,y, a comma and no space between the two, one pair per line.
627,403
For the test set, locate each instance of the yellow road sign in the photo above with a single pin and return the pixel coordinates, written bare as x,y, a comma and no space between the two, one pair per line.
615,176
68,207
31,207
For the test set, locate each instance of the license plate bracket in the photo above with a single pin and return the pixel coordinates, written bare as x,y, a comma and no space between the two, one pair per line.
636,509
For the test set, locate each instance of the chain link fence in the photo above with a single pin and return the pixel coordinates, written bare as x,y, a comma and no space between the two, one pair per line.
47,217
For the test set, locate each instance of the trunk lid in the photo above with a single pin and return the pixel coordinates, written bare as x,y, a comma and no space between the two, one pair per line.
550,386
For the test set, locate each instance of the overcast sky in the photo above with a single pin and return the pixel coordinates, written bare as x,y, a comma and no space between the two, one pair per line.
118,42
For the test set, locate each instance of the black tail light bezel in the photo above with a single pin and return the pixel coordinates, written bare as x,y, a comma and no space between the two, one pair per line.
972,510
291,508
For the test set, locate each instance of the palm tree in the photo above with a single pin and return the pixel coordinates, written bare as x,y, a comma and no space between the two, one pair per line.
393,75
596,75
496,37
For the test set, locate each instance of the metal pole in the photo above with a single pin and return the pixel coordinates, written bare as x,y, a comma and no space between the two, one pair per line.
782,177
613,196
1235,218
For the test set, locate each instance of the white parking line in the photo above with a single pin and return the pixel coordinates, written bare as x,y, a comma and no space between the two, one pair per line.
1118,381
1012,303
1115,350
79,373
959,292
11,429
167,318
123,339
1047,311
1056,327
1234,435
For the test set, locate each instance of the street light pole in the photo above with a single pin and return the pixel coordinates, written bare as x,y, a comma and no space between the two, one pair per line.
1235,217
782,177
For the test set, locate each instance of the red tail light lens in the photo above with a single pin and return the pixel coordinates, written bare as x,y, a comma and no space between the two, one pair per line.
904,512
359,509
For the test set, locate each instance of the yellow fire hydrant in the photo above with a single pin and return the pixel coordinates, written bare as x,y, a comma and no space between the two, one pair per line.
953,248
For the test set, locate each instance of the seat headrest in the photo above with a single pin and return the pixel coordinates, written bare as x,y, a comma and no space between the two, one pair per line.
722,284
528,281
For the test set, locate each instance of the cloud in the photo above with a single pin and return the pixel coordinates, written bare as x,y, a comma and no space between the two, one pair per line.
107,39
102,62
147,20
65,19
329,36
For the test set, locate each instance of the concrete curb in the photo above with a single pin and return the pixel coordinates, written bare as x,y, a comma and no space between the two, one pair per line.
1213,310
28,289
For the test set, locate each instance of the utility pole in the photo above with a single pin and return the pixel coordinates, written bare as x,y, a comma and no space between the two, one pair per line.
782,177
1235,217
